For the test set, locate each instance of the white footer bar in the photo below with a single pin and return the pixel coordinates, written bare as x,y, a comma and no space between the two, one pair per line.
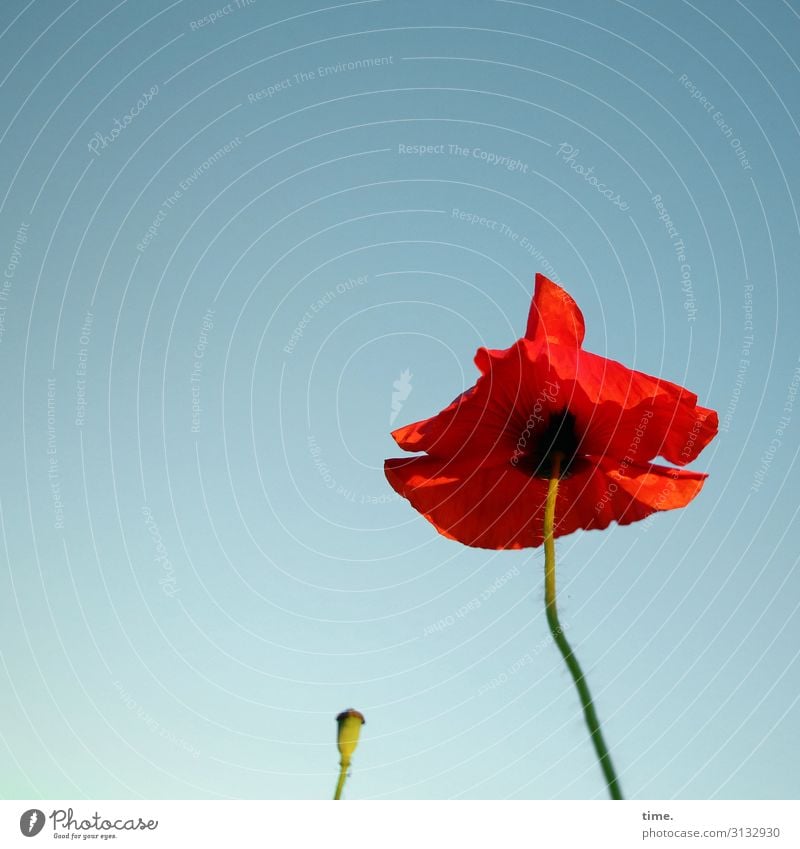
401,824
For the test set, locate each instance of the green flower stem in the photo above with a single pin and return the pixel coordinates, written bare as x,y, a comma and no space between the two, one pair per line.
340,783
560,640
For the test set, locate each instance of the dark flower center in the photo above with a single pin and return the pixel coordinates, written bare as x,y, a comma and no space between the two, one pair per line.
555,435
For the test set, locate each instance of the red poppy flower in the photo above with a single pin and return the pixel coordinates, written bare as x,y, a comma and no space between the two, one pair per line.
484,474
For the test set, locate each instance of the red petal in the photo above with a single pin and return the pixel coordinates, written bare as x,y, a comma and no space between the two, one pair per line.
605,490
485,422
626,413
619,412
499,507
554,316
483,506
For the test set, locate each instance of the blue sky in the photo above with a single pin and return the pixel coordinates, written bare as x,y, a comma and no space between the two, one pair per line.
228,232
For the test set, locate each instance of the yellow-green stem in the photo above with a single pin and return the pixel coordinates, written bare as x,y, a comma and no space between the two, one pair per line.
560,640
340,783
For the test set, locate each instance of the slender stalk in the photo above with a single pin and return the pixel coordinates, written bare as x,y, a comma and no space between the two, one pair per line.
560,640
340,782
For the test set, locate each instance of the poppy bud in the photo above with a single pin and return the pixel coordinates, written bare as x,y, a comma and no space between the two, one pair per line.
350,722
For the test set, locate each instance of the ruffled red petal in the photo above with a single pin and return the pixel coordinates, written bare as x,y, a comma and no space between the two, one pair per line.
626,413
605,490
554,316
499,507
619,412
511,398
482,506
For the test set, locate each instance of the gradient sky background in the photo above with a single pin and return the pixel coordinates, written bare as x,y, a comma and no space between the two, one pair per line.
296,583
